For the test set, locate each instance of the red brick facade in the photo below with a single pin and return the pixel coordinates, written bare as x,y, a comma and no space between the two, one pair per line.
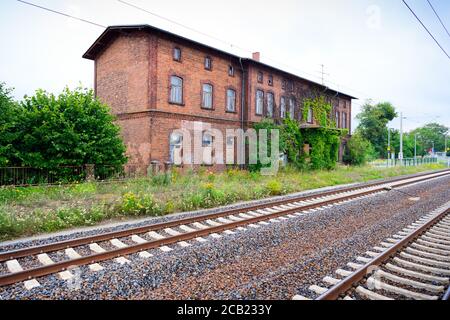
133,67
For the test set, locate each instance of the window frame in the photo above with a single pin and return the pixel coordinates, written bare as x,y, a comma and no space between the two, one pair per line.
231,70
283,113
174,56
181,103
292,106
268,94
209,68
270,80
226,100
262,102
203,93
337,119
310,116
171,150
260,77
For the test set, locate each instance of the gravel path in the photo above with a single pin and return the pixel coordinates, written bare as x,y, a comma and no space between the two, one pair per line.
271,262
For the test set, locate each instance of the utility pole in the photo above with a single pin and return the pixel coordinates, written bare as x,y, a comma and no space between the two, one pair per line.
389,145
415,149
400,154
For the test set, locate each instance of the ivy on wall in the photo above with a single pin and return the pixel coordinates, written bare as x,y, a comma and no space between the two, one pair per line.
323,142
321,110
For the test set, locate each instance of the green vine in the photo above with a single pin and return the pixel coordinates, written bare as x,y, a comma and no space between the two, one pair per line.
321,111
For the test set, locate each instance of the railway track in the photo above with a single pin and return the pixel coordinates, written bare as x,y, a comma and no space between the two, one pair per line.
29,264
414,264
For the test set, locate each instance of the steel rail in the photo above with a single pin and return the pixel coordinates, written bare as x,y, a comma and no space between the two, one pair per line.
53,247
352,280
95,258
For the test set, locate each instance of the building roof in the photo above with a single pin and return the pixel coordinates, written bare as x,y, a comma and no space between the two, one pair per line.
112,31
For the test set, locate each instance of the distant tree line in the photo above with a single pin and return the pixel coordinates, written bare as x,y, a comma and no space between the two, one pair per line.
370,140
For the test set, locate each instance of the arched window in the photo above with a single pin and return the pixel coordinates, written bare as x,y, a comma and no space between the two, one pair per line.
176,148
291,108
231,100
176,90
259,102
207,99
270,104
310,115
283,107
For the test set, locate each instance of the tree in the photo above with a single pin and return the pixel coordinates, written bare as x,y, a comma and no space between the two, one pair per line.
373,124
7,122
71,129
429,134
359,150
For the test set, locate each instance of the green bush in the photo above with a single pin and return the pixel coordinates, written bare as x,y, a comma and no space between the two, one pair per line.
359,151
140,204
274,188
47,131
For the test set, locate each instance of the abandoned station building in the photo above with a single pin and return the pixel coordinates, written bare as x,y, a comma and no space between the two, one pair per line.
155,81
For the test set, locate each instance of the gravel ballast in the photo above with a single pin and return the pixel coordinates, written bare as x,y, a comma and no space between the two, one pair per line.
271,262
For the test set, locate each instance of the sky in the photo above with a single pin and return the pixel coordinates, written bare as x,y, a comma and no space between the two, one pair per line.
371,49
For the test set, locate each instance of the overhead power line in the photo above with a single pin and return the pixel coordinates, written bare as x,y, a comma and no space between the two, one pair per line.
184,26
429,32
227,42
439,18
62,13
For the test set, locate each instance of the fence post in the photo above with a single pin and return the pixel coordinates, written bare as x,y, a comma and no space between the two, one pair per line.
90,172
155,168
167,167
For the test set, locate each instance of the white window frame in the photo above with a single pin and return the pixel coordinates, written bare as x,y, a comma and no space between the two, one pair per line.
207,96
176,90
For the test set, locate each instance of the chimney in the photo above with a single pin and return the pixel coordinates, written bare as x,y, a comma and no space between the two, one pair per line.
256,56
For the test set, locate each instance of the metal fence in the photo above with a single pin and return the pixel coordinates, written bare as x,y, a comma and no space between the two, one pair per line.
409,162
27,176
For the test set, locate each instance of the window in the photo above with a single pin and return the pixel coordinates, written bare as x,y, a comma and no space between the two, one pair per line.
231,70
177,54
291,108
270,81
259,102
176,90
207,144
270,102
207,99
230,150
337,118
208,63
309,118
283,107
231,100
176,147
283,85
260,77
344,120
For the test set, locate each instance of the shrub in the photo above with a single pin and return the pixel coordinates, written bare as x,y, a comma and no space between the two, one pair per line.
358,151
141,204
274,187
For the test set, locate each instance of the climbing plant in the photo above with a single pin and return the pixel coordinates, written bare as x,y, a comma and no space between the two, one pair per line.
321,110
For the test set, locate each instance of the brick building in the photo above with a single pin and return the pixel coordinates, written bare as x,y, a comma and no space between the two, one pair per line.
156,82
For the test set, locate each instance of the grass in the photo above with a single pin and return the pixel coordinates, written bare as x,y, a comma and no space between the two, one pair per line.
43,209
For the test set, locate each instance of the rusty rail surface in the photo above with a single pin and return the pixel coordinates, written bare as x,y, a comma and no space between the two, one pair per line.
352,280
94,258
